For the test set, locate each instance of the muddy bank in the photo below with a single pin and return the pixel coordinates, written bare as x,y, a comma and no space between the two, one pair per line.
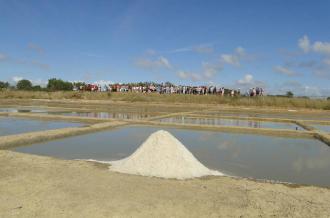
34,186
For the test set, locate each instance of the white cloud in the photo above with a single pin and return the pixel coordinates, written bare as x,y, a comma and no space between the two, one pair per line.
235,58
304,43
3,57
322,47
210,70
302,90
164,62
230,59
327,61
40,65
103,82
285,71
39,82
317,47
151,52
189,76
247,80
35,47
205,48
17,78
154,64
202,48
36,82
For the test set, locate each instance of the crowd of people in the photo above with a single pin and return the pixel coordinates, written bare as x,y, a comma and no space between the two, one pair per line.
171,89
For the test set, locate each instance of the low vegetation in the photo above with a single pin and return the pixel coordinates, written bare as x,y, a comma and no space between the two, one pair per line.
262,101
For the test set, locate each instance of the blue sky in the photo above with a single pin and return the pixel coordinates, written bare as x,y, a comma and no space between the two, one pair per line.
280,45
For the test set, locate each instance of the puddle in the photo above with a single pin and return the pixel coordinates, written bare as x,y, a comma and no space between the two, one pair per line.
230,122
302,161
10,126
325,128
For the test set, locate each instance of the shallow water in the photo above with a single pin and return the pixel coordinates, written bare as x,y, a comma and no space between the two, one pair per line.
325,128
23,110
105,115
288,115
302,161
230,122
10,126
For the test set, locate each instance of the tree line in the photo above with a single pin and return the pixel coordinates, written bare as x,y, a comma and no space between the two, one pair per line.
55,84
52,85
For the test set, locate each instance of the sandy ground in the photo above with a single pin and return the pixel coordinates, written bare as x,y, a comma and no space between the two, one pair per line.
35,186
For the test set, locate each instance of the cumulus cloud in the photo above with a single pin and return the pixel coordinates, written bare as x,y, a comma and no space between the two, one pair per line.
151,52
3,57
317,47
246,80
207,72
300,89
202,48
230,59
189,76
104,82
304,43
154,64
327,61
210,70
206,48
285,71
235,58
35,82
40,65
35,47
322,47
15,79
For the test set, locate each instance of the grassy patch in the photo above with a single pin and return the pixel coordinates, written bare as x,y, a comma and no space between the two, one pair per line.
174,98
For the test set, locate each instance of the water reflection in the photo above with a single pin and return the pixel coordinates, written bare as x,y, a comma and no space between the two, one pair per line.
270,115
230,122
303,161
105,115
9,126
23,110
325,128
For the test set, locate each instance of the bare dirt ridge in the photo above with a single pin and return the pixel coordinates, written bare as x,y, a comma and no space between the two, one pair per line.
34,186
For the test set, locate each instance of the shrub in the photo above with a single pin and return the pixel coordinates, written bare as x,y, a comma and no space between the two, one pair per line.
24,84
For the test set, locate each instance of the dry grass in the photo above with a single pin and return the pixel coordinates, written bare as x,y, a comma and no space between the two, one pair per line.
154,97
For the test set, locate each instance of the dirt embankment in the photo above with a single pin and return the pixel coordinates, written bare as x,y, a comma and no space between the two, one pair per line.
34,186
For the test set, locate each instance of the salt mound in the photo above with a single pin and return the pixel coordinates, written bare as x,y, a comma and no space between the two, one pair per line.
162,155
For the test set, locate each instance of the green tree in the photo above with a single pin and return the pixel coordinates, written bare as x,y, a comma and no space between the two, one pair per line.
4,85
289,94
24,84
37,88
59,85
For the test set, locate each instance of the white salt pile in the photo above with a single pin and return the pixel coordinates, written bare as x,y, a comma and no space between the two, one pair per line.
162,155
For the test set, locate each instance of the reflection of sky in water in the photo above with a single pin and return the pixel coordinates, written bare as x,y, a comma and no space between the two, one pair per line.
325,128
289,115
304,161
105,115
9,126
23,110
229,122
